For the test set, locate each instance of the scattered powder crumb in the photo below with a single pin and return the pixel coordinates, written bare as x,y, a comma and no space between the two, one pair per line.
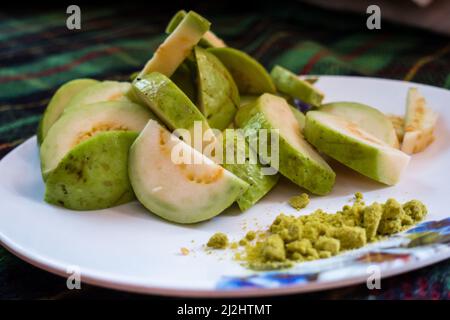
358,196
251,235
299,202
184,251
218,240
243,242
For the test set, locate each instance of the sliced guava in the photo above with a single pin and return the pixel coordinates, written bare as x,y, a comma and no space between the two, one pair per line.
218,94
246,99
250,76
289,83
94,174
209,39
298,161
349,144
170,104
79,124
100,92
179,191
248,169
372,120
178,45
58,102
419,124
300,116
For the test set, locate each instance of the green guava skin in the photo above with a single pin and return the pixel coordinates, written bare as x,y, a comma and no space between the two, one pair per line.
171,105
99,92
208,40
58,102
195,201
289,83
260,184
217,92
175,21
89,120
315,175
94,174
246,99
361,157
367,117
250,76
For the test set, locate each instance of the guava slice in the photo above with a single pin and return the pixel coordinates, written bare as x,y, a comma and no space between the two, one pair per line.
349,144
419,125
79,124
372,120
298,161
100,92
209,39
300,116
289,83
246,99
94,174
250,171
217,92
179,191
58,102
178,45
170,104
250,76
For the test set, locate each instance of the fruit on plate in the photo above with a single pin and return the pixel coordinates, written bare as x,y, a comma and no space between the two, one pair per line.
289,83
93,174
301,119
398,123
420,122
180,191
58,102
250,76
99,92
80,124
372,120
178,45
209,39
246,99
349,144
218,95
246,165
171,105
298,161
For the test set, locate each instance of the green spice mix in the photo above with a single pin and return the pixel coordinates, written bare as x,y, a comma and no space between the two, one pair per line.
318,235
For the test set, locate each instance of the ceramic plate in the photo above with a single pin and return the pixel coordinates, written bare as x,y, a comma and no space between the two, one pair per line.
130,249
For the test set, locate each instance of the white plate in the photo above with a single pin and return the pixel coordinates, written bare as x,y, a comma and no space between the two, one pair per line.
130,249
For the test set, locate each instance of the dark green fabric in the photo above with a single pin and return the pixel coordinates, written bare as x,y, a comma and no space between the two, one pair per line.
38,54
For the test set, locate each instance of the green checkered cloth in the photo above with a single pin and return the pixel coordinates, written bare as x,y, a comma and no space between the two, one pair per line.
38,54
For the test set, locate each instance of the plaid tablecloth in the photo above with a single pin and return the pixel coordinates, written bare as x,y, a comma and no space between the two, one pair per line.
38,53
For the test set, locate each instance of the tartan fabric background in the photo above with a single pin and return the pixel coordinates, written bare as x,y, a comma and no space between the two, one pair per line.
38,54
